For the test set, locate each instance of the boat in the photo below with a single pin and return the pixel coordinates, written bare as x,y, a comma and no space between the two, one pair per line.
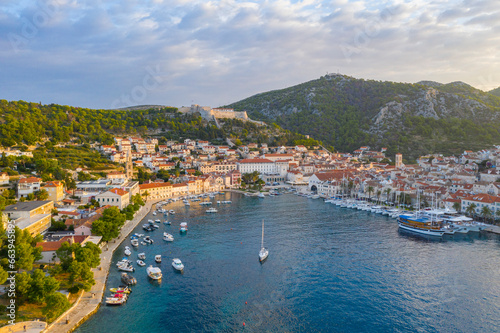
158,258
263,253
183,227
154,213
157,221
261,195
171,212
122,289
167,222
126,267
148,240
141,263
134,242
168,237
127,251
211,210
420,224
177,264
154,272
142,256
117,299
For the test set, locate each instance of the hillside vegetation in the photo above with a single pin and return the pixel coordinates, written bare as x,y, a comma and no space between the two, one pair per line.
413,119
24,123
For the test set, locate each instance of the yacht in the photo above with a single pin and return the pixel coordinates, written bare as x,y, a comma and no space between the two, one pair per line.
168,237
158,258
148,240
183,227
211,210
141,256
261,195
125,266
141,263
154,272
134,242
420,224
127,251
177,264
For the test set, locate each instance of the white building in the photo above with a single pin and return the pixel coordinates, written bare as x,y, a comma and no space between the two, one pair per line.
114,197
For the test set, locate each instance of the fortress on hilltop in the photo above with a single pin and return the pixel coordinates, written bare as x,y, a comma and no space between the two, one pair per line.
210,114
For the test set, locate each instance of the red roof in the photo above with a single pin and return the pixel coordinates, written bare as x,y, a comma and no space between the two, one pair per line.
255,160
118,191
29,180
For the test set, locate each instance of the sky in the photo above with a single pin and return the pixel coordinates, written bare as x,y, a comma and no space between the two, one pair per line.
118,53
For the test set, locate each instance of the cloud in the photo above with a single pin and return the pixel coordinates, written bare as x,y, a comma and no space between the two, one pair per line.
91,53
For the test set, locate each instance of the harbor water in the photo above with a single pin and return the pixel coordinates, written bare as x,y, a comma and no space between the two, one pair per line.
329,269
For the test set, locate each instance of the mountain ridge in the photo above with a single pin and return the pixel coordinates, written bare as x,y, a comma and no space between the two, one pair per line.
347,113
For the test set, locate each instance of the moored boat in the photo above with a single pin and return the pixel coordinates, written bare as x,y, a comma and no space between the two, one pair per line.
177,264
154,272
158,258
421,225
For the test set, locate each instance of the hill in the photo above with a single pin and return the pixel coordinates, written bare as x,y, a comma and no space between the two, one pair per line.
24,123
414,119
495,92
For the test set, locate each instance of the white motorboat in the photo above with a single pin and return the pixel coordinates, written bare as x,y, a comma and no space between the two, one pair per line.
168,237
211,210
177,264
263,253
183,227
154,213
261,195
141,263
134,242
171,212
141,256
154,272
148,240
158,258
127,251
126,267
128,279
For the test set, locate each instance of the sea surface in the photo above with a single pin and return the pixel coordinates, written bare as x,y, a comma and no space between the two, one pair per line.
329,269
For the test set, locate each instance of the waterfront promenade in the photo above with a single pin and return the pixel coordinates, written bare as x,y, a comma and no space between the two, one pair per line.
90,301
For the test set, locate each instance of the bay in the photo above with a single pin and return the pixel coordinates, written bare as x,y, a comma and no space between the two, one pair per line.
329,269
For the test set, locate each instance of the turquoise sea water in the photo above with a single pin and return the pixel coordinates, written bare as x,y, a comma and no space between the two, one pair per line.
329,269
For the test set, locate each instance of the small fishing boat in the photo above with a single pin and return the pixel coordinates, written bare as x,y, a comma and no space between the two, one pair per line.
121,289
127,251
168,237
158,258
141,263
128,279
211,210
154,272
177,264
141,256
134,242
183,227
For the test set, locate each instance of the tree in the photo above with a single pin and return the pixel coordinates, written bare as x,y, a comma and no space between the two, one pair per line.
387,192
42,195
57,303
370,191
456,206
89,254
3,275
471,209
26,252
66,255
80,277
486,212
41,286
23,281
145,194
137,199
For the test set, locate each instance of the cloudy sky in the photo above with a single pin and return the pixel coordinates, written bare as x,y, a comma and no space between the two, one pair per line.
105,54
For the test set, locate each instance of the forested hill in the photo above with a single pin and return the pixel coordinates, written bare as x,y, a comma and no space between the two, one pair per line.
414,119
24,123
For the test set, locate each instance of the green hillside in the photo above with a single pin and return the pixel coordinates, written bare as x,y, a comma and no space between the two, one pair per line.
24,123
495,92
412,119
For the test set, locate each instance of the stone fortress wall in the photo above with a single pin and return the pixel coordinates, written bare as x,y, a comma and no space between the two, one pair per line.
210,114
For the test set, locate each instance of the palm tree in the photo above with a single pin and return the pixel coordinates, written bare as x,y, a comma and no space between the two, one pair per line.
387,192
471,209
379,192
486,212
145,194
456,206
370,191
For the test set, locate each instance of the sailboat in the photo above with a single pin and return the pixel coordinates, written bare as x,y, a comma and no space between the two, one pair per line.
263,253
